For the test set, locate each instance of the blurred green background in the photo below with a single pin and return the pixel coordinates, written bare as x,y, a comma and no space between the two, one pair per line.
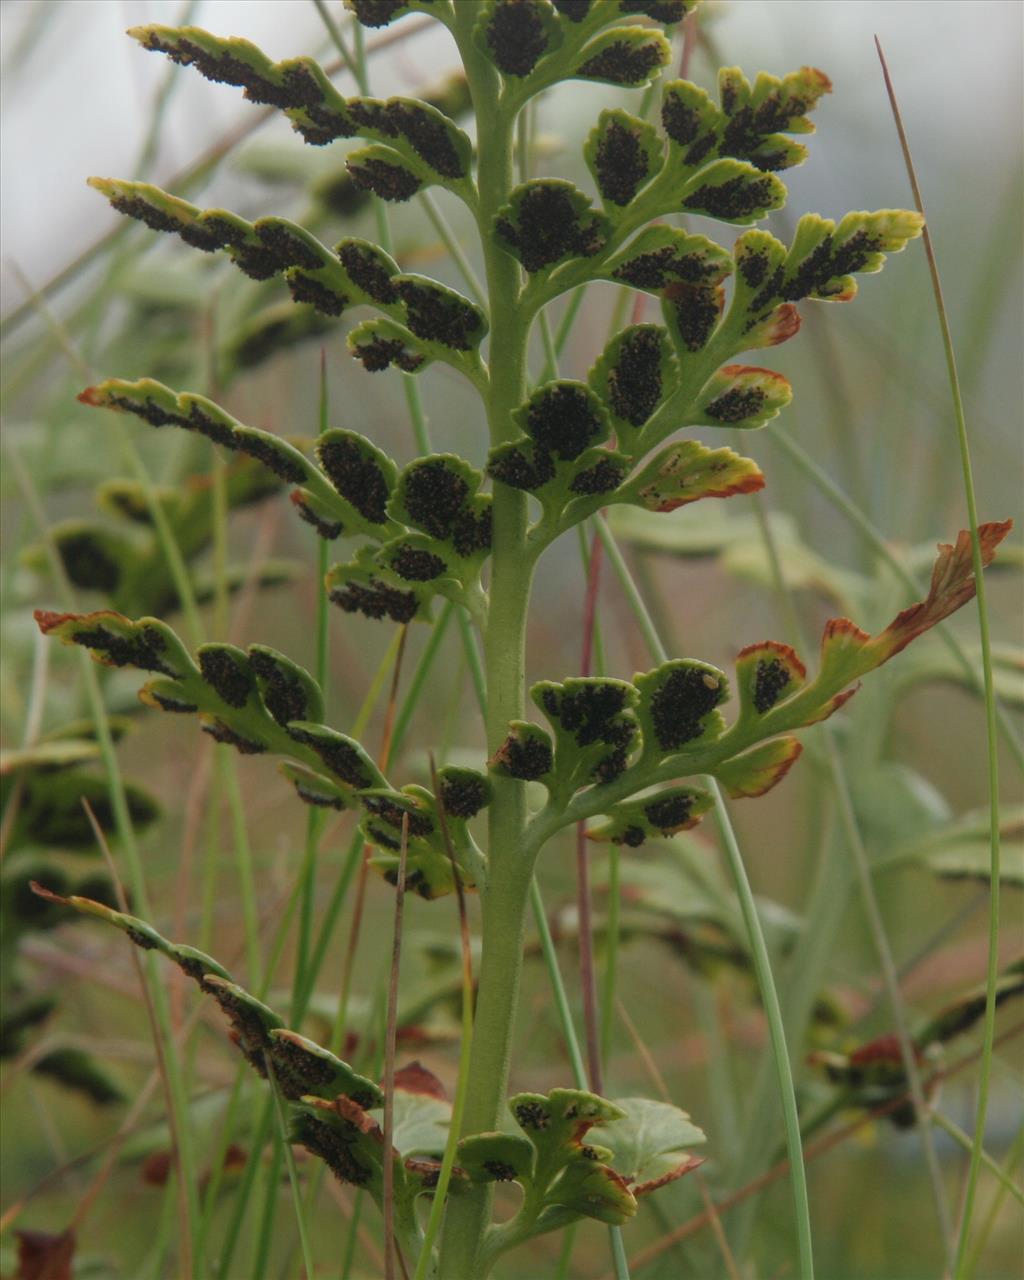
871,407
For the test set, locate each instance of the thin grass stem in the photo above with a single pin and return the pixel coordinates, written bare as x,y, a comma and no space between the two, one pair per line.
755,934
991,734
465,1046
451,243
353,1236
162,1046
565,1253
966,1143
547,946
260,1134
876,924
1013,1159
314,819
243,861
609,982
293,1174
864,525
271,1195
390,1243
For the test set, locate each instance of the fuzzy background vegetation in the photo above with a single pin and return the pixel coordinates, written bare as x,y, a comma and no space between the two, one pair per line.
871,406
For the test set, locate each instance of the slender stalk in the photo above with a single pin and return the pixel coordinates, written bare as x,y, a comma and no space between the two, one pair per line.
966,1143
752,922
450,242
588,980
293,1175
351,861
390,1243
563,331
353,1233
260,1135
164,1228
991,734
243,857
162,1045
1013,1159
547,946
863,524
437,1207
872,910
474,662
565,1256
272,1185
420,676
314,819
383,758
611,960
584,1079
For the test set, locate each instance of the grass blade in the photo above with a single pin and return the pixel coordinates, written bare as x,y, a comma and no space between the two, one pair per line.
991,736
752,922
289,1160
390,1244
863,524
965,1141
876,925
465,1045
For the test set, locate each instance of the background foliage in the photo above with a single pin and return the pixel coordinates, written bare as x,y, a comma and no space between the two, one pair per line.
870,407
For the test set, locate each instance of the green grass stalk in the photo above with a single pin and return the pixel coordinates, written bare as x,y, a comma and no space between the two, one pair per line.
755,934
293,1175
876,925
863,524
315,818
966,1143
271,1195
228,774
991,734
451,243
437,1207
1013,1159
